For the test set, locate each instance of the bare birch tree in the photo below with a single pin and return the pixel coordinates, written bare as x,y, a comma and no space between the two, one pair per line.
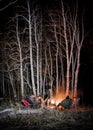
21,60
30,45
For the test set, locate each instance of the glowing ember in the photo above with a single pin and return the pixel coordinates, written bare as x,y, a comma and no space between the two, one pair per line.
52,104
56,100
52,101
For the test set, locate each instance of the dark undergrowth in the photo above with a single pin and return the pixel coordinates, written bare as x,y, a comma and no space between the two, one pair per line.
77,119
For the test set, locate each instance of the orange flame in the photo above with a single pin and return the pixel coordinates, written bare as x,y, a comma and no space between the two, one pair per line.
57,98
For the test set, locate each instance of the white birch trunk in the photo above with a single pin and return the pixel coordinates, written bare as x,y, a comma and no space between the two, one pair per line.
45,72
67,51
51,71
31,54
79,43
77,71
40,67
11,81
21,63
56,38
37,56
62,74
40,71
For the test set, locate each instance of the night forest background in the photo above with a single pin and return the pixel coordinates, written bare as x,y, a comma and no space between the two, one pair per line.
85,77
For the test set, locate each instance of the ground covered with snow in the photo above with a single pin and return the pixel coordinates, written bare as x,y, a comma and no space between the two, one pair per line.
46,119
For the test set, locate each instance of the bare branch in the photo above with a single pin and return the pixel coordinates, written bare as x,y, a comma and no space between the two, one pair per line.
8,5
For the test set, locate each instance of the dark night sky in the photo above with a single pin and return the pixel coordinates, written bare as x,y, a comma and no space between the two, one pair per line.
86,69
8,12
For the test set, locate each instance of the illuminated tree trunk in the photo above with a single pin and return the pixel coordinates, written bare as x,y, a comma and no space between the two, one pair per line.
41,77
41,80
27,77
37,55
67,51
72,82
51,71
61,57
31,54
40,60
79,41
21,62
44,71
77,71
11,78
57,49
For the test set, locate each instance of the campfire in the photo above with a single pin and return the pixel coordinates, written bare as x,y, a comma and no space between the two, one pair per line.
66,102
54,101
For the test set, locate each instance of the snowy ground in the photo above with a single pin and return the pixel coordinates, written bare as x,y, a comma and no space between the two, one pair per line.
11,112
